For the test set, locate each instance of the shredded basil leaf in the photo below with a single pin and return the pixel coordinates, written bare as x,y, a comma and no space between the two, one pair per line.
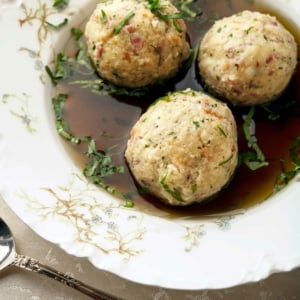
62,127
100,163
285,177
295,151
253,160
250,160
80,71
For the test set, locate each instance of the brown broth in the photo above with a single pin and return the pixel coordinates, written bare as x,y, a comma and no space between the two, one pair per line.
109,120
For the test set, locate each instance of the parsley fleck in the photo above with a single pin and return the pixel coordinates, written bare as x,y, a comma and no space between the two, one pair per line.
60,4
194,187
57,26
103,18
196,123
253,160
175,193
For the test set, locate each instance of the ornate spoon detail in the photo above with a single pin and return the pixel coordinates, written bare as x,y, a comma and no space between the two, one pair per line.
9,257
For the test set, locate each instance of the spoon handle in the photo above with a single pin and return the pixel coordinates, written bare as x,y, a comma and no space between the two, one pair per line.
31,264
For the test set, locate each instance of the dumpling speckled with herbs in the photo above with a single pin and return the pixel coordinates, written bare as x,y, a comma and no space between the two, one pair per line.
131,46
247,58
183,149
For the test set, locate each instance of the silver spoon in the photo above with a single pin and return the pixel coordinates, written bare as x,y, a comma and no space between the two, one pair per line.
9,257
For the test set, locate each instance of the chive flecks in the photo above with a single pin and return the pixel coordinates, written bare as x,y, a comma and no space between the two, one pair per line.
157,9
123,22
190,10
222,131
177,26
248,29
103,18
224,162
175,193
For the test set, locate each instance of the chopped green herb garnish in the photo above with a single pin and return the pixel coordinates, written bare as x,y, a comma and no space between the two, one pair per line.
285,177
157,9
177,26
196,123
254,160
57,26
295,151
249,29
60,4
224,162
76,33
129,204
123,22
175,193
189,8
222,131
67,68
194,187
62,127
100,163
103,18
95,85
65,65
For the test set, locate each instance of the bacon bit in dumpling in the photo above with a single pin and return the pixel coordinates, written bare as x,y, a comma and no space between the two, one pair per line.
98,51
136,42
129,28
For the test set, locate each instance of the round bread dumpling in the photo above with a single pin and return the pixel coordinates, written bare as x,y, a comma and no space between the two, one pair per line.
133,47
248,58
183,149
